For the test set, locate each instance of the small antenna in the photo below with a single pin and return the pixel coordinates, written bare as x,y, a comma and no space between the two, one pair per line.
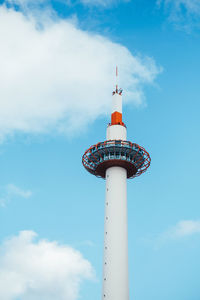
117,90
116,79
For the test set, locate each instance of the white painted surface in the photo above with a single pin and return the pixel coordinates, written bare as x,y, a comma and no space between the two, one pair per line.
116,132
115,272
117,103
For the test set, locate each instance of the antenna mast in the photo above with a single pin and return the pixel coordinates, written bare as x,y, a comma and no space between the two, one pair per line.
116,79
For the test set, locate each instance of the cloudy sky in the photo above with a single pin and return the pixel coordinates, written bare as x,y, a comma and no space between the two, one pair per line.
57,73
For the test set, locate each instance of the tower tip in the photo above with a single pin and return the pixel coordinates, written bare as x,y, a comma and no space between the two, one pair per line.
117,90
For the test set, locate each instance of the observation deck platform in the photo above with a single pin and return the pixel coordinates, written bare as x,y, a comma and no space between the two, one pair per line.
134,158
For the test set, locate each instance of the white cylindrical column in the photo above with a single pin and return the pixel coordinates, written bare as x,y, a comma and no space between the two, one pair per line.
117,103
116,132
115,271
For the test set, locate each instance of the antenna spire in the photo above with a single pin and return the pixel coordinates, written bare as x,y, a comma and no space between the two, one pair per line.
117,90
116,79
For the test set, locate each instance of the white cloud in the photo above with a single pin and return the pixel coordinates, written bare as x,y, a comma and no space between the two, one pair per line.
184,13
103,3
183,228
25,2
56,77
193,6
35,270
15,190
11,191
29,6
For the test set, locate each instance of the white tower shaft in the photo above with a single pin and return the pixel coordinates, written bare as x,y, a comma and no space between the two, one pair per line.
115,271
115,160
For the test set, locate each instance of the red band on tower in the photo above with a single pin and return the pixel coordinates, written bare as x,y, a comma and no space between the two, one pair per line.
116,118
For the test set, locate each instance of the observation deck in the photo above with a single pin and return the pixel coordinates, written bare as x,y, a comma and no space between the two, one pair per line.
134,158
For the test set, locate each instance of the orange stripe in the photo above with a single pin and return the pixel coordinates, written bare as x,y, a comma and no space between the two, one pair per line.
116,118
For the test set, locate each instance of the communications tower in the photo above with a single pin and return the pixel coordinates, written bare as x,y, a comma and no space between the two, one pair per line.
115,160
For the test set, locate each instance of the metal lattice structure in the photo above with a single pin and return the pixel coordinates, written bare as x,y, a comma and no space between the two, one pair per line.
134,158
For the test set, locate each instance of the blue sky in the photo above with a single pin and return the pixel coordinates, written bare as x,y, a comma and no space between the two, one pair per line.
57,74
